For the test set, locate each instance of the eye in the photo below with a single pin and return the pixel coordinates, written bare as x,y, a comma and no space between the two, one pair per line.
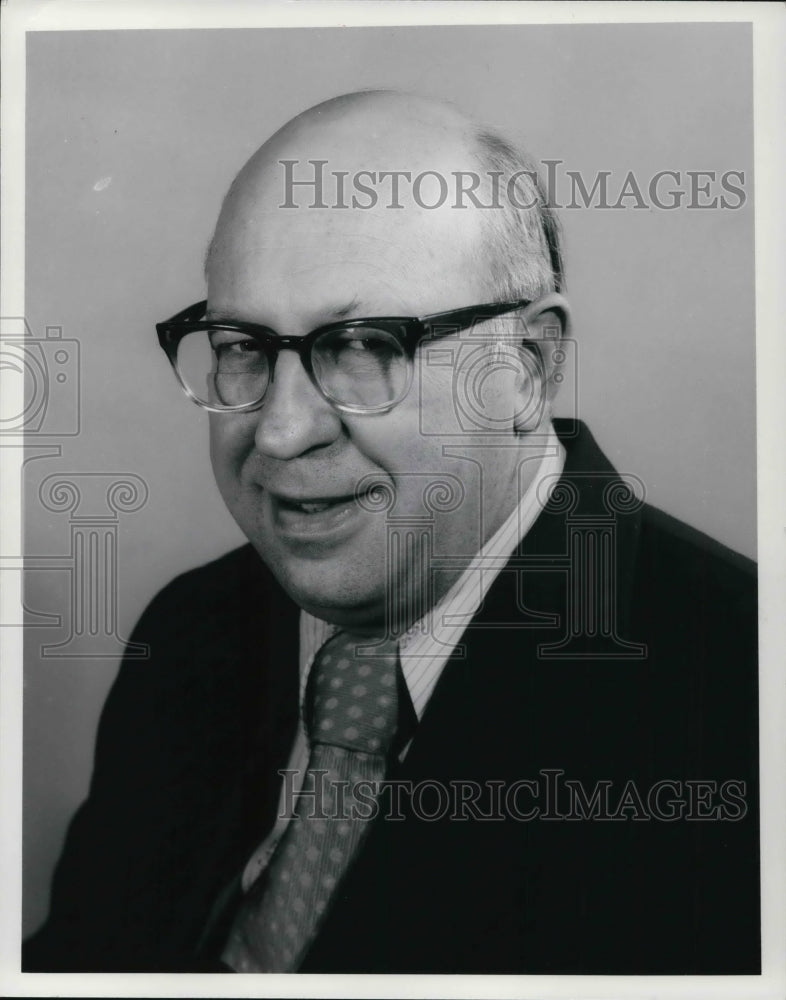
369,344
363,340
226,343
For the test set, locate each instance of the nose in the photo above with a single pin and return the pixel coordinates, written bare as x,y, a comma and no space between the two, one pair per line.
294,417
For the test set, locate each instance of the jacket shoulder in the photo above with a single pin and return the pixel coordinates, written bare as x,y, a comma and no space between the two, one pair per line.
239,568
198,599
693,556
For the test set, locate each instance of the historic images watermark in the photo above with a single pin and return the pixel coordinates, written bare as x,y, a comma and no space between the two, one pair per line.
548,796
41,411
561,188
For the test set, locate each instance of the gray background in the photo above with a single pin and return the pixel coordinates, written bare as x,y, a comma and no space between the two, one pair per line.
663,300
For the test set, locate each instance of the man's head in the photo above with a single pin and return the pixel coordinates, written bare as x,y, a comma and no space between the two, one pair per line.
292,258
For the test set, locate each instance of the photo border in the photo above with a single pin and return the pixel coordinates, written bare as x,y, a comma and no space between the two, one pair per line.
769,34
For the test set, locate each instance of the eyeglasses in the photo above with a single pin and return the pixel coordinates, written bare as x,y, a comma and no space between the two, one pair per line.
358,365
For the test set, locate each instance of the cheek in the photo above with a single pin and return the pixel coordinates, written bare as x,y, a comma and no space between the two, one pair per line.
475,394
231,439
409,438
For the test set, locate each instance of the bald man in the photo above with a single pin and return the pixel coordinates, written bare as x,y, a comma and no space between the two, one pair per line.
464,703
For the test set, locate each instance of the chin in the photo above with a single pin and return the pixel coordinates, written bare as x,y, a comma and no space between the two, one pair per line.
349,615
340,599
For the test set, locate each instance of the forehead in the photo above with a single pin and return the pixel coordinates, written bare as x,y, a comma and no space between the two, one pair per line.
280,245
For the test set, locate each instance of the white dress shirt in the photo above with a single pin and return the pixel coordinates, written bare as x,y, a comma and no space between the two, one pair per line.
426,647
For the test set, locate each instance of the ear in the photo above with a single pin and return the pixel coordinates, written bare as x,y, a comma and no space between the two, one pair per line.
548,323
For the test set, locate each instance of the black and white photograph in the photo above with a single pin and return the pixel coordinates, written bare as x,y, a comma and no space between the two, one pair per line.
392,532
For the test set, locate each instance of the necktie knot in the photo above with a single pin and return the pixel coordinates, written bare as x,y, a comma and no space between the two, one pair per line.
351,698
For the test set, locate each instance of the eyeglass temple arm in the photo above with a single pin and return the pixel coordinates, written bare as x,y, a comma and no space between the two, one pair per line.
460,319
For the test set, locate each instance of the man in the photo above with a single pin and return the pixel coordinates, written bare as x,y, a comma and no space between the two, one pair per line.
519,704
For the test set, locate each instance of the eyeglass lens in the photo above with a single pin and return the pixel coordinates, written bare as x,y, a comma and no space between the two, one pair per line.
362,367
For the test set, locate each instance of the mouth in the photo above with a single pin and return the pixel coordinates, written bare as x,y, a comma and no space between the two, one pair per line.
316,506
310,518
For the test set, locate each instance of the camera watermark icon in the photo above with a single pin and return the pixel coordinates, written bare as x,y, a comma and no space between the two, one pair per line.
41,401
46,370
484,364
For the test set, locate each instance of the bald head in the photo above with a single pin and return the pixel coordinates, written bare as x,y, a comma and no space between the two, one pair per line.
405,181
375,131
382,121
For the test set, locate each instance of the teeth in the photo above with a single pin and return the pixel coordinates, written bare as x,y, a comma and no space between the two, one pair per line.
313,508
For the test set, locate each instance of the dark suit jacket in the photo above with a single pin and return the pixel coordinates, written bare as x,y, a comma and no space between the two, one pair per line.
190,742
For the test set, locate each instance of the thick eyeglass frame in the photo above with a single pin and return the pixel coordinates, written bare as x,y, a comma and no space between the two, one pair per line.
408,330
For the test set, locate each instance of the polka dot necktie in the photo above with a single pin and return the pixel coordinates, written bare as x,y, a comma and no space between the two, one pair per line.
351,716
